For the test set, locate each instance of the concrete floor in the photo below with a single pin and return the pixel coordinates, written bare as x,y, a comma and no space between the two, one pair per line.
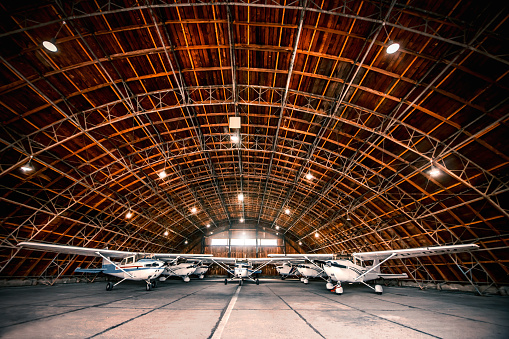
274,309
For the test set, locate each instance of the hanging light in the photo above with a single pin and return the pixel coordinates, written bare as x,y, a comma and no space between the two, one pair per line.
166,233
234,138
162,174
309,176
185,242
240,197
27,167
287,211
208,225
50,45
241,219
129,215
316,235
392,47
434,172
277,233
348,217
300,243
193,210
277,227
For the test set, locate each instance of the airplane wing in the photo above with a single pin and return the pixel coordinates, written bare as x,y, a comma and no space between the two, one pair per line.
97,252
393,276
415,252
290,257
92,252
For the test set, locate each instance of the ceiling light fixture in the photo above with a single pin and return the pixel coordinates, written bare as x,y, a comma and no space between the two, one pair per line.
434,172
316,235
162,174
208,225
185,242
234,138
392,47
309,176
51,44
166,233
28,166
241,219
277,227
287,211
241,197
348,216
129,215
300,243
193,210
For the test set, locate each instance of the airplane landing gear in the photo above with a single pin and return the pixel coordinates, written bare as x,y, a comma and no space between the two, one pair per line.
305,281
109,286
329,285
226,281
201,276
187,279
338,289
149,287
257,281
240,282
154,283
379,290
283,277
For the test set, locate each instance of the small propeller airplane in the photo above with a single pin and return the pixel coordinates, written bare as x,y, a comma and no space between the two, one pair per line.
287,269
242,267
183,268
133,266
346,269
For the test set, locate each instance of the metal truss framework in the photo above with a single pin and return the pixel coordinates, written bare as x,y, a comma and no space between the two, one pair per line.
365,178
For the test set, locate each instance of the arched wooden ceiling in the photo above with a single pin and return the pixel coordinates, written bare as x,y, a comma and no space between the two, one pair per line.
140,87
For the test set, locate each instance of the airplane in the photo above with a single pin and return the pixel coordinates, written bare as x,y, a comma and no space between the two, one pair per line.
201,269
287,269
346,269
308,271
184,269
133,266
242,267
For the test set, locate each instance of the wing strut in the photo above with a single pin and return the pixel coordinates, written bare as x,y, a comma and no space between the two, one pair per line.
375,266
111,262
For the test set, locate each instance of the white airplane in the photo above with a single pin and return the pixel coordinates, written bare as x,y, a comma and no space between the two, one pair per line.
201,269
287,269
347,269
184,269
308,271
134,266
243,267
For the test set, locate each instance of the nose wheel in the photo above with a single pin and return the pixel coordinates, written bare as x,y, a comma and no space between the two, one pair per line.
109,286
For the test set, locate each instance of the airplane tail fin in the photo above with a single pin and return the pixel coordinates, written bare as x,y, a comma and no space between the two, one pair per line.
105,262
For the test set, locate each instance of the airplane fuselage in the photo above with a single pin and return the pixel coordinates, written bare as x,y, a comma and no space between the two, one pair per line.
347,271
144,269
309,270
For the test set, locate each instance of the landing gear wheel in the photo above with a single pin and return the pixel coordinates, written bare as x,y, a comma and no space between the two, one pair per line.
226,281
329,286
154,284
339,290
379,290
109,286
149,287
240,282
305,281
283,277
201,276
257,281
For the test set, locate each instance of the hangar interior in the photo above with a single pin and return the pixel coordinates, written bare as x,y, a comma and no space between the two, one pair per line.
159,126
